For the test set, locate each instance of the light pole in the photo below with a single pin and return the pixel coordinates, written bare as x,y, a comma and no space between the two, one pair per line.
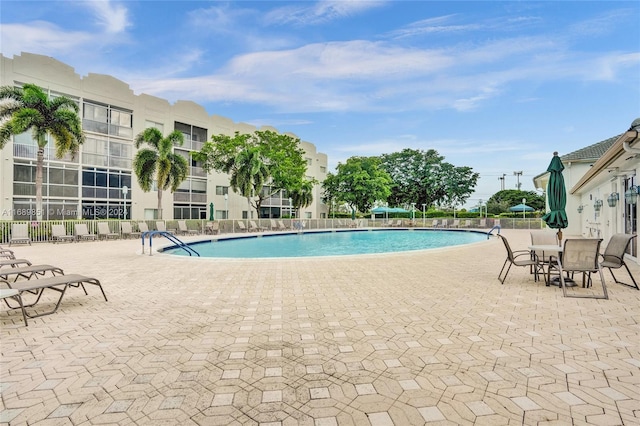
413,211
524,200
226,206
424,212
125,191
291,208
480,207
517,175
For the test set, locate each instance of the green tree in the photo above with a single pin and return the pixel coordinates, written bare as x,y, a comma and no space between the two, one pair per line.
252,173
359,182
330,191
502,200
302,196
260,164
458,184
423,177
159,162
30,108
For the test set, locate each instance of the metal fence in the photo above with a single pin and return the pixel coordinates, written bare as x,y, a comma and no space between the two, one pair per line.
40,231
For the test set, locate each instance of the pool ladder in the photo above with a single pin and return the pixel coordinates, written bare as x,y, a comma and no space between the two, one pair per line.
491,230
175,240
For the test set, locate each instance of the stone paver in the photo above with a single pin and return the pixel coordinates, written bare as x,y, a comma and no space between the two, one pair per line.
415,338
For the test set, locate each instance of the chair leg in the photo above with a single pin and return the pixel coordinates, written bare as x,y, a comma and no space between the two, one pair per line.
24,314
605,295
635,284
506,273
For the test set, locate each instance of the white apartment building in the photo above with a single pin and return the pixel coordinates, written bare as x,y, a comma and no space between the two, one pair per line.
92,186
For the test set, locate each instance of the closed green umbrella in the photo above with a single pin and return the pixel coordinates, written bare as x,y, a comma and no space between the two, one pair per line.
211,212
556,218
353,214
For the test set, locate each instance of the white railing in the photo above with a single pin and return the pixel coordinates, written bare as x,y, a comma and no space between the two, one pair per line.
40,231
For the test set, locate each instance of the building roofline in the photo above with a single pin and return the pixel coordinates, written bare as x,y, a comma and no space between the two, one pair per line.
613,153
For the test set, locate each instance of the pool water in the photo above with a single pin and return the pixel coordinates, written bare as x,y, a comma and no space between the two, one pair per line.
339,243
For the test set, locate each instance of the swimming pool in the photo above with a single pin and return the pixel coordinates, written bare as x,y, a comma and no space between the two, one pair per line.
330,243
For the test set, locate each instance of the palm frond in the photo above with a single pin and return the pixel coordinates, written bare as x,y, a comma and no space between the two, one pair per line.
150,135
144,166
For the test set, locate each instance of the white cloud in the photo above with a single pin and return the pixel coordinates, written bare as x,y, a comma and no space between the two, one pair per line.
40,37
49,39
319,12
112,16
363,75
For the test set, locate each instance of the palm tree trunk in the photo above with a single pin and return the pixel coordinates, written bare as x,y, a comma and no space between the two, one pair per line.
39,170
159,203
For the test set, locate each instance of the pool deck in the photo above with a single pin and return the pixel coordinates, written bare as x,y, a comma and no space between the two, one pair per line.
427,337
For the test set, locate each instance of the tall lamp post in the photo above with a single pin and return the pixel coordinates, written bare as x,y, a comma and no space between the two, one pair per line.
226,206
125,191
424,212
413,212
524,201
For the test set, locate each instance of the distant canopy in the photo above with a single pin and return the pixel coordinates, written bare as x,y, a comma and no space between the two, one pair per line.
379,210
521,208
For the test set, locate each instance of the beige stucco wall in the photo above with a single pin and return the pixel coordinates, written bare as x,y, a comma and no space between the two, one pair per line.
57,76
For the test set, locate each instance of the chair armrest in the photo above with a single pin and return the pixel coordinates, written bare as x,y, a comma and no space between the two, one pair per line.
527,253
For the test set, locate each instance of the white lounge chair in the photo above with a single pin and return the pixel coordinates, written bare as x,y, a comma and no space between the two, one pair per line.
212,228
143,227
82,233
19,234
59,234
184,229
127,230
253,227
105,232
282,226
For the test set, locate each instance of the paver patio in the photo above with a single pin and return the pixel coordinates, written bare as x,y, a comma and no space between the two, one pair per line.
428,337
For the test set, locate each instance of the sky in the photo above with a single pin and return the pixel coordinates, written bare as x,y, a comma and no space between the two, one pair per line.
497,86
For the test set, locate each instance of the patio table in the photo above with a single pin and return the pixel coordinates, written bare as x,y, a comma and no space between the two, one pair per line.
552,248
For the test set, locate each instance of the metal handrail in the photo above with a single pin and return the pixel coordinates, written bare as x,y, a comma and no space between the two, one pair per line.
491,230
177,241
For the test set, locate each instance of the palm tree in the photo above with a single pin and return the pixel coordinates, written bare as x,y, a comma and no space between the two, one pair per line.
249,173
29,107
302,196
159,162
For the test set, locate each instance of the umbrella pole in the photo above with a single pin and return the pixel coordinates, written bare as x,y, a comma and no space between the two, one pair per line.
559,237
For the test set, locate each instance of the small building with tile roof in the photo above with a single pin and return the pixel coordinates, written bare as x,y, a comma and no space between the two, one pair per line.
602,187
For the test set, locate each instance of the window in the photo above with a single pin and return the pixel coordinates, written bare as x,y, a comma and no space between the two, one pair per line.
100,151
323,169
194,137
159,126
104,184
57,181
222,190
107,119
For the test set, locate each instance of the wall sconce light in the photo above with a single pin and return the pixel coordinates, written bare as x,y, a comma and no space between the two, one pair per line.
612,199
597,205
580,208
632,194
